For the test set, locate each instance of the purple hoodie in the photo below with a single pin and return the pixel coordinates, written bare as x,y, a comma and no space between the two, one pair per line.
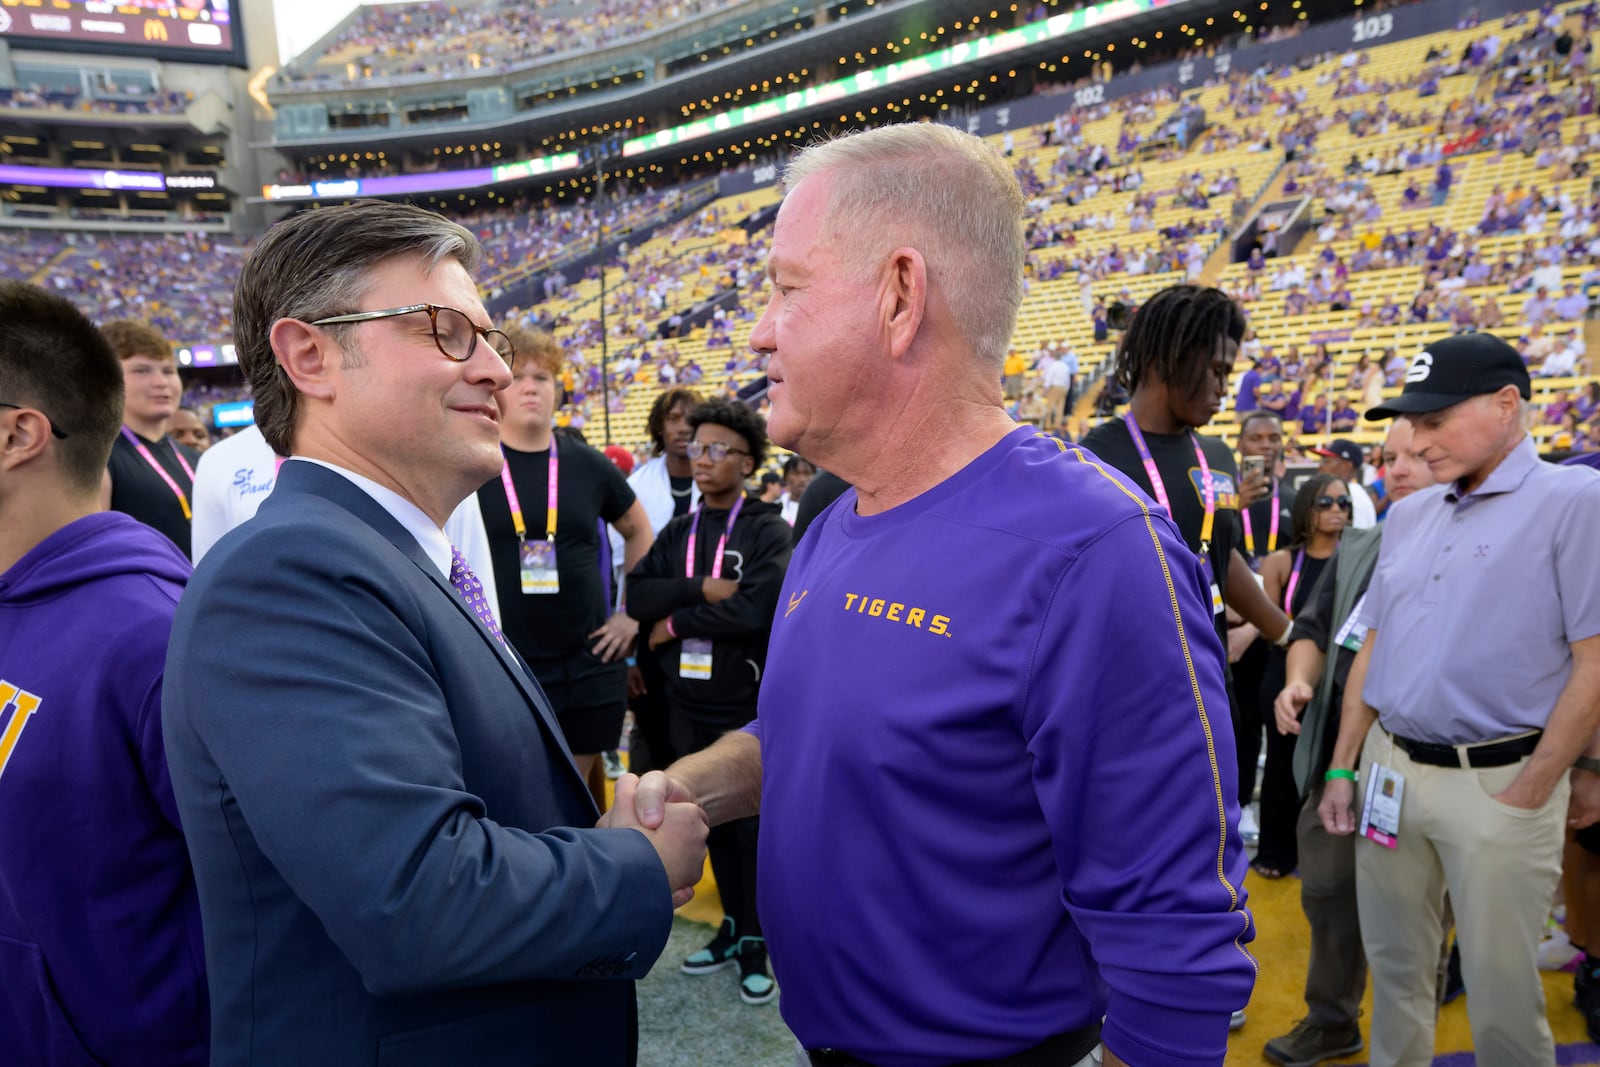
101,958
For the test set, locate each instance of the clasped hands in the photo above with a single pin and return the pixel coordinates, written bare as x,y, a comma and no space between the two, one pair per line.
663,810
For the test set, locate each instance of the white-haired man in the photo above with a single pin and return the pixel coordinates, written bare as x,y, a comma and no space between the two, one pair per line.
1464,736
985,827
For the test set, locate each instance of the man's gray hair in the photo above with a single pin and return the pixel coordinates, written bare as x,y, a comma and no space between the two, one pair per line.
943,192
318,264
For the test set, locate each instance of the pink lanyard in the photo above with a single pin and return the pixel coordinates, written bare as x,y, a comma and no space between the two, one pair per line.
1272,534
516,505
183,499
722,542
1294,581
1161,490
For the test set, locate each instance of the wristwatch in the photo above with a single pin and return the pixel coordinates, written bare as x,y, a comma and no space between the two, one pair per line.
1587,763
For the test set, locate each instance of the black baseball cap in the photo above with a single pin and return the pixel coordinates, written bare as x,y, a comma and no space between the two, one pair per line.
1348,451
1454,369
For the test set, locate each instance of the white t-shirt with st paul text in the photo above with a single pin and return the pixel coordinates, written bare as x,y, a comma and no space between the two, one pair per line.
237,473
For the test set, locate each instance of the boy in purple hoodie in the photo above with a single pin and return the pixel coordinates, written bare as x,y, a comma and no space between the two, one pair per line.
101,959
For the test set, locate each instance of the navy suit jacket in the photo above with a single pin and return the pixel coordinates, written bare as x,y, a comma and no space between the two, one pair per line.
394,852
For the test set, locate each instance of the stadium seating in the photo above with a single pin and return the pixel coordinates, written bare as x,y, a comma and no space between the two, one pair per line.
1117,209
1396,73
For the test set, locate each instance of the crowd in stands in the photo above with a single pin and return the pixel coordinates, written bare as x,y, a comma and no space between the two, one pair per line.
120,100
695,276
439,39
525,238
28,254
182,283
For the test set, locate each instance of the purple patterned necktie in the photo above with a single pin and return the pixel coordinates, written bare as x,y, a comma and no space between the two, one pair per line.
471,590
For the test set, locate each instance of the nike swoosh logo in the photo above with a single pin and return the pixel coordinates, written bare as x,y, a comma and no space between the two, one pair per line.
794,602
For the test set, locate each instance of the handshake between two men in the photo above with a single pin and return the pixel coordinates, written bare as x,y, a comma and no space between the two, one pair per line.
662,810
675,811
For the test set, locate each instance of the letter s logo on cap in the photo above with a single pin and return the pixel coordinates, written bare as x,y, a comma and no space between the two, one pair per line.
1420,368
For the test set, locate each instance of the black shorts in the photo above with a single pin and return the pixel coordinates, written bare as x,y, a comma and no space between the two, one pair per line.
589,699
592,728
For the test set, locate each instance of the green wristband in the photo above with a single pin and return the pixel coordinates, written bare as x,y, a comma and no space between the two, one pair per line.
1340,772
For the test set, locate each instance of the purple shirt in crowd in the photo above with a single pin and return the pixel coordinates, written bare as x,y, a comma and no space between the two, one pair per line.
1520,551
998,794
1571,306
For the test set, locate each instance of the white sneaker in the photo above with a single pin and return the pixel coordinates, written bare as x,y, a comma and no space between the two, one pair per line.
1237,1022
1556,951
1249,829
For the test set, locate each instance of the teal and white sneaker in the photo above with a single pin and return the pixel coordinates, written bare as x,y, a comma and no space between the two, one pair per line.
715,956
755,981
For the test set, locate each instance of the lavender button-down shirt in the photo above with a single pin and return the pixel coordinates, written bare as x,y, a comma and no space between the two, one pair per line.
1477,600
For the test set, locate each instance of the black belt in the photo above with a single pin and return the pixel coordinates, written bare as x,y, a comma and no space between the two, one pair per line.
1063,1050
1487,754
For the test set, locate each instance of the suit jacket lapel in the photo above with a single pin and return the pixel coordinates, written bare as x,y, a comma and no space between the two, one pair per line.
308,477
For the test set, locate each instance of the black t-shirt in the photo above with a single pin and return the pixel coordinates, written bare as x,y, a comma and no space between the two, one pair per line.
824,489
1310,571
1180,473
550,628
137,490
1307,591
682,492
1261,527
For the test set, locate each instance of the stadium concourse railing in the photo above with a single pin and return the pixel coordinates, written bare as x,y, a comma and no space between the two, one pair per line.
302,76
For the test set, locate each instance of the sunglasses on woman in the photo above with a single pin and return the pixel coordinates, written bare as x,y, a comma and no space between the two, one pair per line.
1323,503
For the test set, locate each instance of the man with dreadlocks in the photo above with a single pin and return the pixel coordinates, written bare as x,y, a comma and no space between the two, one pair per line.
1175,361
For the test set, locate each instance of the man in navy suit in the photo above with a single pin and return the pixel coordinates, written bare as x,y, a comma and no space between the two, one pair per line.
396,858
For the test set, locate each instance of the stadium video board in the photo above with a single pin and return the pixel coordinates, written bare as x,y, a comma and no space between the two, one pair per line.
208,356
85,178
433,182
184,31
232,416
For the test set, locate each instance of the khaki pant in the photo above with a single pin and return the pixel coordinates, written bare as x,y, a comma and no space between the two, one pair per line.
1055,405
1500,865
1336,975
